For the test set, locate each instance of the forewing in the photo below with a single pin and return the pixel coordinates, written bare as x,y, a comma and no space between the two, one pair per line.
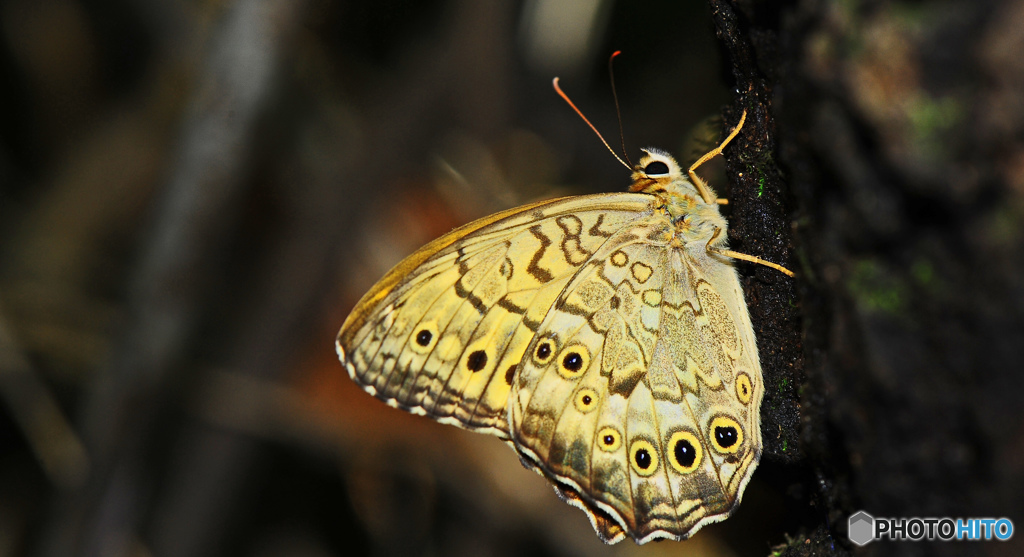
443,333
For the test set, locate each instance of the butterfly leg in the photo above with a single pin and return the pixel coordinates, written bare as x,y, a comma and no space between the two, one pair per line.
702,187
743,256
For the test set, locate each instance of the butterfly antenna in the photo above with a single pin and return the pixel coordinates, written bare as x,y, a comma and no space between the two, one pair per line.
566,98
618,113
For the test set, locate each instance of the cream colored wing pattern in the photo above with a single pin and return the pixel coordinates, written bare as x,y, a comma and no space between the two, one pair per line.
444,332
639,395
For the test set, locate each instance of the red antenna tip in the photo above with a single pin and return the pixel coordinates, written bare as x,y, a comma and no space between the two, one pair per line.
565,97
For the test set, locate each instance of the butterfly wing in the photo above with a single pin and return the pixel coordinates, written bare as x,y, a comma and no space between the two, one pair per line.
443,333
637,365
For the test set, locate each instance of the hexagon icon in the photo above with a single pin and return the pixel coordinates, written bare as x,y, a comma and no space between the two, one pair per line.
862,527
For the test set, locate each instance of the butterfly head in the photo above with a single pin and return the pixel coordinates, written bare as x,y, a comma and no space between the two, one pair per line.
658,173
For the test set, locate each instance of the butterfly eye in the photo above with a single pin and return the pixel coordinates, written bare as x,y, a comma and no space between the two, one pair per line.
656,168
643,457
744,390
609,439
684,452
726,435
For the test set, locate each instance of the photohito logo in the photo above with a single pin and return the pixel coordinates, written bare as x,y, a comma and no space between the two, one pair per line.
864,528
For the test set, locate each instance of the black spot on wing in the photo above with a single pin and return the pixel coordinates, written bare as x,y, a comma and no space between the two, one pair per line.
476,361
510,374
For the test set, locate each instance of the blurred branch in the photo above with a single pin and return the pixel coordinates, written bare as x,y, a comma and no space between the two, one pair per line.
35,409
296,275
168,285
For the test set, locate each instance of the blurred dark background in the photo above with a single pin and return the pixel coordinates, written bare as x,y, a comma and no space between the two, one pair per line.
194,194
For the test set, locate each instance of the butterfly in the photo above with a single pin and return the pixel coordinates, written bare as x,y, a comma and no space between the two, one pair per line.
604,337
